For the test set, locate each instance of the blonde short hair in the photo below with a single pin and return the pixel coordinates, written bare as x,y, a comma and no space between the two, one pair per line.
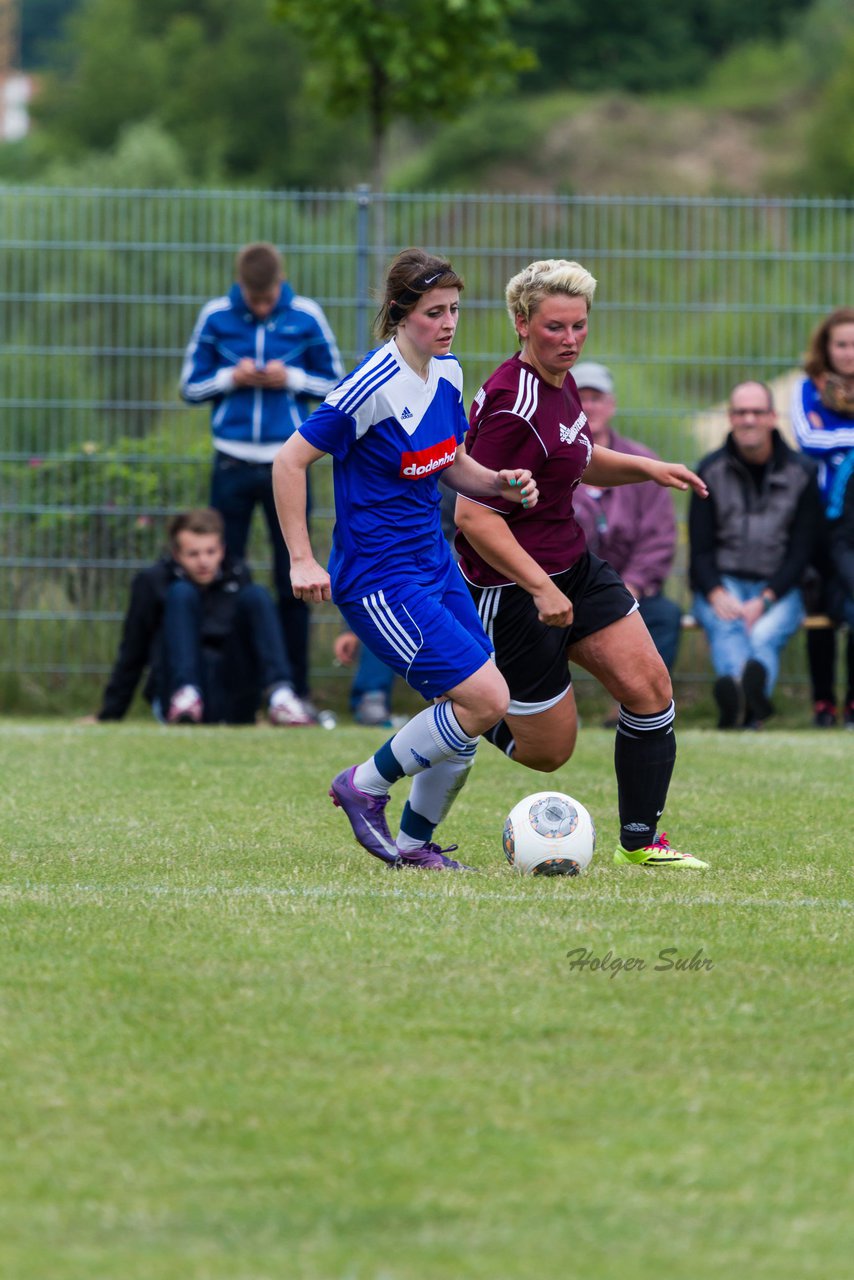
525,291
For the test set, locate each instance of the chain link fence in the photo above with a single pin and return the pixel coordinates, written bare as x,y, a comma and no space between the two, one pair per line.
99,290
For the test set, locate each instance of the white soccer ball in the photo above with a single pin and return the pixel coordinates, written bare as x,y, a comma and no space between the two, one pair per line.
549,834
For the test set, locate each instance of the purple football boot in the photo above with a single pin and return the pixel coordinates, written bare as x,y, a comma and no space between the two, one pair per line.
432,858
367,817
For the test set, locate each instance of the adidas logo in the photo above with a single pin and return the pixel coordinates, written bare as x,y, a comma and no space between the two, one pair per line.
407,413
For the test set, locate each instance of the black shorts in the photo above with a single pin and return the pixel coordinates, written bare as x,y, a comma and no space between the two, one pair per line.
531,655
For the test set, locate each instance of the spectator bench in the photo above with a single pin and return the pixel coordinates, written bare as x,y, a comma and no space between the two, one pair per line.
812,622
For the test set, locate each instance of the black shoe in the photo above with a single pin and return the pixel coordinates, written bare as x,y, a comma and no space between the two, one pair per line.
824,715
730,700
754,681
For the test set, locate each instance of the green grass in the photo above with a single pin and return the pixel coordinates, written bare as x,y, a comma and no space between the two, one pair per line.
236,1048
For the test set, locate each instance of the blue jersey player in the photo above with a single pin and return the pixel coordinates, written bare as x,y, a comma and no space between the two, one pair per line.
392,427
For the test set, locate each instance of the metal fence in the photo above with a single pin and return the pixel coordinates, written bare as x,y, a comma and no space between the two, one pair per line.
99,290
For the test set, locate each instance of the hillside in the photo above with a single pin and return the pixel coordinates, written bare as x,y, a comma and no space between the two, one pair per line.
621,145
612,144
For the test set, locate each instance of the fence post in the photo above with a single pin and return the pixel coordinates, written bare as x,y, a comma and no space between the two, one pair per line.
363,266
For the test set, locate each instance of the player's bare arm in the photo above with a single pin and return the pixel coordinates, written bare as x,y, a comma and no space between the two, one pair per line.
309,580
467,476
607,468
492,539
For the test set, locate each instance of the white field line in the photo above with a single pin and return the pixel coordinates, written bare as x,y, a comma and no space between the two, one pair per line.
30,890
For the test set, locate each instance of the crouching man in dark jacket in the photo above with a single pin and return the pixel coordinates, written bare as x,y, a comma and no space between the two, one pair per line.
210,637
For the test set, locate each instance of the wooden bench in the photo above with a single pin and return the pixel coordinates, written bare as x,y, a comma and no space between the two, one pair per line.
812,622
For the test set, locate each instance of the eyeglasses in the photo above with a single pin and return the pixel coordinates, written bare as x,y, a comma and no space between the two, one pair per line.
749,413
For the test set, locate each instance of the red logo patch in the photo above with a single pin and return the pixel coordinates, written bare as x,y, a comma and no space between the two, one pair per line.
423,463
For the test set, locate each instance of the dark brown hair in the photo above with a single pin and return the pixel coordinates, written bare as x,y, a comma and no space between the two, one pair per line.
413,273
258,267
816,360
200,520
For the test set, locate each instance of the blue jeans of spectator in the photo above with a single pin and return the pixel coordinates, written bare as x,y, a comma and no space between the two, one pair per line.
230,675
237,487
732,644
663,619
372,676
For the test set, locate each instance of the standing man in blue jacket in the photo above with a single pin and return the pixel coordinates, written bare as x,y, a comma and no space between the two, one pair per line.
261,355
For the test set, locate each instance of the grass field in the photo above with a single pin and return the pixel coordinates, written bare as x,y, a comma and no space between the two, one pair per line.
234,1047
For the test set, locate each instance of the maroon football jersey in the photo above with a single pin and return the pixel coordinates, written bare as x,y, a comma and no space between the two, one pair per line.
519,420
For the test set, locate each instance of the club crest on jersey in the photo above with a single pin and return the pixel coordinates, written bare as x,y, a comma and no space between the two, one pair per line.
568,434
423,462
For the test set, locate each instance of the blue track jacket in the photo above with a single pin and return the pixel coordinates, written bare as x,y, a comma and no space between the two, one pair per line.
250,422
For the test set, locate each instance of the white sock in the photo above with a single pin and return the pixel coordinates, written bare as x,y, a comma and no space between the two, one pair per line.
430,798
369,779
433,735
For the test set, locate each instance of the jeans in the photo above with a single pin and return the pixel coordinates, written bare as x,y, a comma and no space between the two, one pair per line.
663,619
731,643
232,675
372,676
237,487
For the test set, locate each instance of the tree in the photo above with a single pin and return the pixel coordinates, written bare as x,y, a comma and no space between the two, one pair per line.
405,58
830,167
38,23
223,79
644,47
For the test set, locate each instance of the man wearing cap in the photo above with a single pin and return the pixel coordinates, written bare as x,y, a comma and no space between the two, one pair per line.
632,526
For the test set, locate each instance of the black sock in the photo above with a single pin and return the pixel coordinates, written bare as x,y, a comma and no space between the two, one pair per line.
644,756
501,737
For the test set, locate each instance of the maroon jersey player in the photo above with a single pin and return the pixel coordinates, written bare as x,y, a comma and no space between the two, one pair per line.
544,599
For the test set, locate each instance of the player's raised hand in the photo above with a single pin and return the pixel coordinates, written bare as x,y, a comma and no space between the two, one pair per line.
673,475
519,486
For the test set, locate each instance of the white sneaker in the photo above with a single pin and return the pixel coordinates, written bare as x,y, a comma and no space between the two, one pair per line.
373,710
186,706
287,709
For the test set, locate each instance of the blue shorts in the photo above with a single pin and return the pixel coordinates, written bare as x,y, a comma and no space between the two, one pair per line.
430,635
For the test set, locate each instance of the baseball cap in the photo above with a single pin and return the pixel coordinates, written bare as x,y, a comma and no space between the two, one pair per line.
595,376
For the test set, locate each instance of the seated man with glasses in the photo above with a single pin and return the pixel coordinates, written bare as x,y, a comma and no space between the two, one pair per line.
750,543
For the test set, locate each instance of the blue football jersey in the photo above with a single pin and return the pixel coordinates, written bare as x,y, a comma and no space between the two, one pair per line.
390,435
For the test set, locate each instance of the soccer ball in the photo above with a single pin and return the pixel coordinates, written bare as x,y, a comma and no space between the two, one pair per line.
549,834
